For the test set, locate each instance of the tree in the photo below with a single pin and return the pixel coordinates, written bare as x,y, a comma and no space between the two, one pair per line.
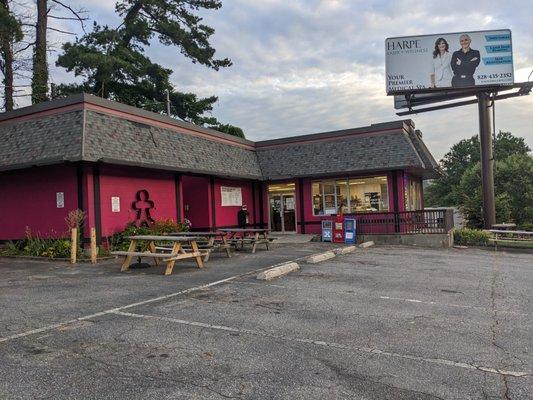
513,191
39,81
229,129
40,76
462,155
10,33
114,65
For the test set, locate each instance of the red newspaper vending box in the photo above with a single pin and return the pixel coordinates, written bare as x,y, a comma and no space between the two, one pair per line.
338,229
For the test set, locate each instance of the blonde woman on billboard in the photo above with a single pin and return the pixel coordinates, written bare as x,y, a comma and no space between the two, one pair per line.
441,71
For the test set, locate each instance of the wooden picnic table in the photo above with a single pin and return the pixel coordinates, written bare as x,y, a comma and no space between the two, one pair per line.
173,254
254,236
513,236
214,241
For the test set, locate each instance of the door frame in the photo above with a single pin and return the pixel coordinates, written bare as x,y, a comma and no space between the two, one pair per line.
293,194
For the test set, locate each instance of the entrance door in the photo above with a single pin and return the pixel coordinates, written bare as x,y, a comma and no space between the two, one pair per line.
282,213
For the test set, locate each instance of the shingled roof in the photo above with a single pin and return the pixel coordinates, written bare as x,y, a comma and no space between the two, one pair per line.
88,128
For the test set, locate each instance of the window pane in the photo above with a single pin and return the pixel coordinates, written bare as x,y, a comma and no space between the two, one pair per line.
369,194
342,196
318,204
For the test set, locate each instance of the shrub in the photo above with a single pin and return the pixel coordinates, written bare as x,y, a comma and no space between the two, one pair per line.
56,248
120,241
527,226
470,237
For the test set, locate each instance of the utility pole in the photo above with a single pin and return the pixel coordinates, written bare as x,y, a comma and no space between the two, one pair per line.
485,104
168,102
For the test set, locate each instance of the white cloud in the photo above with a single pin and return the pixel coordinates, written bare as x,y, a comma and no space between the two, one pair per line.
304,66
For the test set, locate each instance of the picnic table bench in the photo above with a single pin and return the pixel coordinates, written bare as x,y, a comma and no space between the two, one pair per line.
209,241
512,236
175,253
253,236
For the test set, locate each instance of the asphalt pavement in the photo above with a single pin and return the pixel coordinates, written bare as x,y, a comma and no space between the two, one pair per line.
380,323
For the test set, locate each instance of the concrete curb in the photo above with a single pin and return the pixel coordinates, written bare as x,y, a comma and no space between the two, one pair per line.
364,245
278,271
344,250
316,258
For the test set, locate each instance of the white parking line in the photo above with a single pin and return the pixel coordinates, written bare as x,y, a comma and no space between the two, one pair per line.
252,332
434,303
140,303
114,310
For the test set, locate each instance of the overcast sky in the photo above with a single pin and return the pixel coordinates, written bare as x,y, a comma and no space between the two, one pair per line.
311,66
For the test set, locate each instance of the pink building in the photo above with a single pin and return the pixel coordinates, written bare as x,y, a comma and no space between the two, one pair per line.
115,162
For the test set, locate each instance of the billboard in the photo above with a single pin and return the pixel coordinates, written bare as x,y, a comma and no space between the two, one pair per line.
449,60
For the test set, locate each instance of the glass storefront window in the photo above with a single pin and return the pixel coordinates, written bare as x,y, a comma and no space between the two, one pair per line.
369,194
350,195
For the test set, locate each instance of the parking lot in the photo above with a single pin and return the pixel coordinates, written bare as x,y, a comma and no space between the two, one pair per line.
380,323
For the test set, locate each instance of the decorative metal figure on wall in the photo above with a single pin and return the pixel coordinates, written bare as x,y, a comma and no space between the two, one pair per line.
142,206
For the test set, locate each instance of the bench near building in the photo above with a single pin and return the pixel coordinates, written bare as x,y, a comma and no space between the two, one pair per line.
118,163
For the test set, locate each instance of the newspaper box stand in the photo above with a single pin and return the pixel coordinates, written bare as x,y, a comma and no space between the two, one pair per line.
338,229
327,230
349,230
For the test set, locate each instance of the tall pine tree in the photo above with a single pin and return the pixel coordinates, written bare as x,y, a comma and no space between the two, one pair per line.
114,65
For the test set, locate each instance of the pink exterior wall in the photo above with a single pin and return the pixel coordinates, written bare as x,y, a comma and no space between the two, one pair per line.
197,201
125,182
226,216
28,198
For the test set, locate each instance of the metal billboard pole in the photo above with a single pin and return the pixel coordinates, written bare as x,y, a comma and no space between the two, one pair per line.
485,104
485,99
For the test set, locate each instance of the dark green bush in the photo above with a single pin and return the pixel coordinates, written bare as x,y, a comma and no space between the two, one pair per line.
471,237
120,241
37,246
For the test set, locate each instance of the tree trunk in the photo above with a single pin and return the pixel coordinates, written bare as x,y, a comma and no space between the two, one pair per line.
6,47
39,84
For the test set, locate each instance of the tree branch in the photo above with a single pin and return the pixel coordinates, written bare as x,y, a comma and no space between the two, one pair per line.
61,31
74,12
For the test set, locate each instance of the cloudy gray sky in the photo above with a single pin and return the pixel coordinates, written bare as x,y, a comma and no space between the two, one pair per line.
304,66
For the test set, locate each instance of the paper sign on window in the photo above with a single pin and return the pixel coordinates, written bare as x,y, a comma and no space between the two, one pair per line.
60,199
115,204
231,196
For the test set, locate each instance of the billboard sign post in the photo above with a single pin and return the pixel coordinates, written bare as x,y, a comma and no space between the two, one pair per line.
448,61
437,68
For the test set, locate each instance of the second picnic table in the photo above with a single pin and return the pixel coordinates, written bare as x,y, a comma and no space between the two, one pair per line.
253,236
209,241
170,255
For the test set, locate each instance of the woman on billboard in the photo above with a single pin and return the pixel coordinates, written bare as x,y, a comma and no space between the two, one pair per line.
441,72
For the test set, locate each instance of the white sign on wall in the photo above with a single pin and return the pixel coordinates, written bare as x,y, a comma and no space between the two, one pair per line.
231,196
115,204
449,60
60,199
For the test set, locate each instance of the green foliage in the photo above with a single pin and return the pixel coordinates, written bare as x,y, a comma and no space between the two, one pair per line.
113,64
470,237
462,155
37,246
513,183
10,26
513,180
120,241
229,129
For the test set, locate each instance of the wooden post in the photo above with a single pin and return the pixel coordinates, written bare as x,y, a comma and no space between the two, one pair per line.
93,245
73,245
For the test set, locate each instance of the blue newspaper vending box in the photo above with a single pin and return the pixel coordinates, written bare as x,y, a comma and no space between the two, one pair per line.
327,230
349,230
